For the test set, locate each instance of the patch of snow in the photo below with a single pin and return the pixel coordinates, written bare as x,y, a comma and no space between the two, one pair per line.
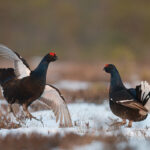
86,117
139,144
72,85
3,102
93,146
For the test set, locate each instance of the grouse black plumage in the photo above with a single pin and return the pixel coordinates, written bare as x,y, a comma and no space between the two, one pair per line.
23,86
26,90
132,104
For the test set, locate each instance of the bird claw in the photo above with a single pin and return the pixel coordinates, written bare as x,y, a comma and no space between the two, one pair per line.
118,124
29,116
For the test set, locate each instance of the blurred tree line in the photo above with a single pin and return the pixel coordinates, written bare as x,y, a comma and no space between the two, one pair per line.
78,29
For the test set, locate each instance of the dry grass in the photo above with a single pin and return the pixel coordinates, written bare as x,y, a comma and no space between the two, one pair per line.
6,122
69,142
97,93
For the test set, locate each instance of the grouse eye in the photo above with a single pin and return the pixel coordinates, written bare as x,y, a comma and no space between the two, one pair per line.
52,54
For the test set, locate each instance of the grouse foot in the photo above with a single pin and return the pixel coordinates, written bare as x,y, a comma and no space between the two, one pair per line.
29,116
130,124
119,123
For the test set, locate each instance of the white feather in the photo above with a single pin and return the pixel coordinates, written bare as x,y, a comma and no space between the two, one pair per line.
52,98
145,90
124,101
8,53
21,69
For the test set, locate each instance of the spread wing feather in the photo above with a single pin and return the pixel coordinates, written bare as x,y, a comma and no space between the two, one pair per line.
22,69
53,99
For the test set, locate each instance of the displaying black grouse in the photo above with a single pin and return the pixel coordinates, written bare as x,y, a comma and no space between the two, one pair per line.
131,104
23,86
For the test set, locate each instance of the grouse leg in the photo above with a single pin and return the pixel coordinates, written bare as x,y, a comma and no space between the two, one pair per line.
124,121
28,114
130,124
119,123
10,110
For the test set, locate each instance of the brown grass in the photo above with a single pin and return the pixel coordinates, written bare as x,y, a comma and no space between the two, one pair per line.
69,141
91,95
6,122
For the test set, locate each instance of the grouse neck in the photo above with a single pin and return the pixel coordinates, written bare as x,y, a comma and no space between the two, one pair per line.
116,82
41,70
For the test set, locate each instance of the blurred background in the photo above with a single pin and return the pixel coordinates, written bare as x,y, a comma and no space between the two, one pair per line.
97,30
84,34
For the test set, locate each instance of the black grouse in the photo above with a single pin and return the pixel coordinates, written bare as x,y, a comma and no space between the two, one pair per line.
132,104
23,86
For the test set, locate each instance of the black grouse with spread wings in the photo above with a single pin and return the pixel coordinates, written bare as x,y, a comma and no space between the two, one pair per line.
23,86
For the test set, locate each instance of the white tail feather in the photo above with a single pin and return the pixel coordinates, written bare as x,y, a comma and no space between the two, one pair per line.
145,97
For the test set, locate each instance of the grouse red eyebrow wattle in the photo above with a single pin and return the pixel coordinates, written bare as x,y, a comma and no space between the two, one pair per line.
52,54
106,65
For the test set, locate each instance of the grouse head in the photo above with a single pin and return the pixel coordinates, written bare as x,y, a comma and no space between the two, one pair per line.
50,57
109,68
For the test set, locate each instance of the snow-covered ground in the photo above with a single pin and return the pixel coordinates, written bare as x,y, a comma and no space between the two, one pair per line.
138,144
87,118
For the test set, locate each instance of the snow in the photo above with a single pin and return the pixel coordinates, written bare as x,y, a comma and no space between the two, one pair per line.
135,144
94,145
72,85
3,102
87,118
